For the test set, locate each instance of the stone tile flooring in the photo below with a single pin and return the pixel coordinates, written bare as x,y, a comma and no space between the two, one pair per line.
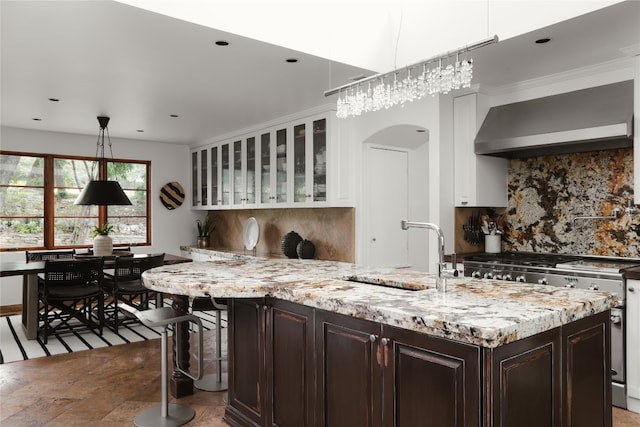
107,387
98,388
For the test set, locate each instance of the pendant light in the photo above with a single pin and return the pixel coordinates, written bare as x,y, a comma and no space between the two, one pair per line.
99,192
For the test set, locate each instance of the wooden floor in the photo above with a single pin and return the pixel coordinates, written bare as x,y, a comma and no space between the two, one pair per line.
109,386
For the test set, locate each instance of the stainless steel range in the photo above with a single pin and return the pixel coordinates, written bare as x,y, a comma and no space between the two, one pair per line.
581,272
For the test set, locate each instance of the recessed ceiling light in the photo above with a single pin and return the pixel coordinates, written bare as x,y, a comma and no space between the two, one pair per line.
54,100
222,43
292,60
37,119
420,130
140,130
173,115
543,40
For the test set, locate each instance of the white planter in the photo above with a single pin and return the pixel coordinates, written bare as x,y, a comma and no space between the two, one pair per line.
102,245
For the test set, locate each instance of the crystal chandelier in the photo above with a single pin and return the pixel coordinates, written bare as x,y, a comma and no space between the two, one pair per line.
411,83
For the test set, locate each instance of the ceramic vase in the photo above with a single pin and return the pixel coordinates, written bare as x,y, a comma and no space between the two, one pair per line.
102,245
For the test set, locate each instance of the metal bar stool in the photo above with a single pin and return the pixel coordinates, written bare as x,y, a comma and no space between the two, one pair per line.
219,380
167,414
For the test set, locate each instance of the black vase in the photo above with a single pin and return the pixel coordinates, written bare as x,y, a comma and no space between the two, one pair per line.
306,249
289,244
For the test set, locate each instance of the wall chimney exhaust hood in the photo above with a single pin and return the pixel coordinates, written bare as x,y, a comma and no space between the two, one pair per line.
598,118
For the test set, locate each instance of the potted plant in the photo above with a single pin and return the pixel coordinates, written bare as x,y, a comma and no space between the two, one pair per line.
102,242
204,230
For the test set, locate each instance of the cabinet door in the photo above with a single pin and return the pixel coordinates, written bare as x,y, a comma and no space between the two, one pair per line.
225,180
250,172
633,342
349,389
319,152
246,349
527,384
215,177
478,180
299,163
238,194
200,178
266,170
290,357
587,380
282,169
430,381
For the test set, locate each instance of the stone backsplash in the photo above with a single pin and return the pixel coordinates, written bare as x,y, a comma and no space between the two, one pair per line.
548,193
332,230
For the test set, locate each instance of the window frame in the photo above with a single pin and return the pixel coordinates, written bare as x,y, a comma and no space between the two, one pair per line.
49,197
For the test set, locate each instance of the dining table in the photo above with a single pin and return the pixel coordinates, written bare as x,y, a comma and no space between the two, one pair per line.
30,271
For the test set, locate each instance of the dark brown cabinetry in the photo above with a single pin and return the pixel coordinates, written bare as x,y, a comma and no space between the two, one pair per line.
291,365
374,375
271,355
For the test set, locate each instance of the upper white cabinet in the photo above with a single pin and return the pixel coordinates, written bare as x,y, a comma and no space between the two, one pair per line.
296,164
478,180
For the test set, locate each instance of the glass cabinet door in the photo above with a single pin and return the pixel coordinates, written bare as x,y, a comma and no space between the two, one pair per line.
215,200
281,166
237,173
204,163
226,168
320,160
250,178
265,168
194,179
299,164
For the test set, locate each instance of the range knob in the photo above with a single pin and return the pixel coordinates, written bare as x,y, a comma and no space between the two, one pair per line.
508,277
594,288
543,281
570,285
488,275
498,277
476,275
520,279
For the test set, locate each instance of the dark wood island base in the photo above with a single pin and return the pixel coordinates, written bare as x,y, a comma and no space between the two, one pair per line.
293,366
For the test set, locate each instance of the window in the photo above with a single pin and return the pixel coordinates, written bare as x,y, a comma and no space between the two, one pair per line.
37,192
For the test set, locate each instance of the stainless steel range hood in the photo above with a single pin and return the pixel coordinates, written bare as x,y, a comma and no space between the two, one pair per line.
591,119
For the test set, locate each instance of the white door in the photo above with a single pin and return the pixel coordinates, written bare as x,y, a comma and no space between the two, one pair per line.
387,205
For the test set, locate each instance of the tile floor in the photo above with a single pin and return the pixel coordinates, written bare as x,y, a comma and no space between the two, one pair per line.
107,387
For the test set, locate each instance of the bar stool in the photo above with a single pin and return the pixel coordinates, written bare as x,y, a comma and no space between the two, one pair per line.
217,381
167,414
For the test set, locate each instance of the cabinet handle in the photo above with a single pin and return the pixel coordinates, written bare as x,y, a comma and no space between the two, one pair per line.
373,338
264,307
384,341
632,289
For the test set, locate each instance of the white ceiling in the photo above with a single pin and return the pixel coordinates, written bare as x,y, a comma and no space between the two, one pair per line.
139,67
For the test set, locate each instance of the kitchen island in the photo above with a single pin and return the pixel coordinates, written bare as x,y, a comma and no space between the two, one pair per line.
310,344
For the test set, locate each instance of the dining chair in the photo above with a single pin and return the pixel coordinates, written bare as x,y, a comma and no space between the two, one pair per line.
124,285
45,255
70,295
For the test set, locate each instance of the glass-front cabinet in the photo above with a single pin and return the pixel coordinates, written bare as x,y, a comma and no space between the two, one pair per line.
290,165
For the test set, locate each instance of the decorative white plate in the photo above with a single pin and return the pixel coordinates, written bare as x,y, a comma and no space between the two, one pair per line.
251,233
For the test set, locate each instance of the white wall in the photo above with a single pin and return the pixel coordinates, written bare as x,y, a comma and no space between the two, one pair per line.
169,162
429,184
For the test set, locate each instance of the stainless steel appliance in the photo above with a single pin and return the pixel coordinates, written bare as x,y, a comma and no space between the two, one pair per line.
570,271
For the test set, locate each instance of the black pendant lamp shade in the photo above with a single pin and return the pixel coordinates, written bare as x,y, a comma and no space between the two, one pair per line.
102,192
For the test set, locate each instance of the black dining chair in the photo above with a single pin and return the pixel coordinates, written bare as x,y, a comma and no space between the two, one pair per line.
70,296
45,255
125,286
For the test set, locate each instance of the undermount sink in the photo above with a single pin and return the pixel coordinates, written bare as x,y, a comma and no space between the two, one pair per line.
390,283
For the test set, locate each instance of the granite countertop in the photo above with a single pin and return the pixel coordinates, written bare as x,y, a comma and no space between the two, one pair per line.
489,313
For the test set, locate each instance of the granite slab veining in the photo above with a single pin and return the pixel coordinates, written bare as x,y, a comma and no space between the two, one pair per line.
489,313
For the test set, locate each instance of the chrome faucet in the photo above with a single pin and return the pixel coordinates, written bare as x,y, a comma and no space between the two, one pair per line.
443,272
